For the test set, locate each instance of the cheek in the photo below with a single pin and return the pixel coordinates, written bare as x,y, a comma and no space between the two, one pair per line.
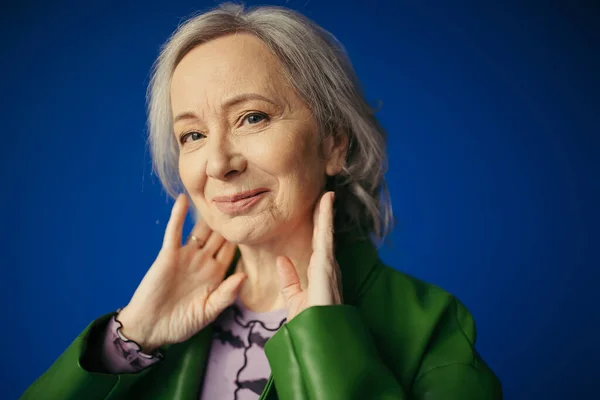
191,173
293,160
193,178
285,155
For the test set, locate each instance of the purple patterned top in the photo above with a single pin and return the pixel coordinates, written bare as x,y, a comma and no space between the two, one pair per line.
238,368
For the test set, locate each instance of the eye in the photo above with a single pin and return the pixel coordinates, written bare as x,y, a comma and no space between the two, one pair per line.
255,118
191,137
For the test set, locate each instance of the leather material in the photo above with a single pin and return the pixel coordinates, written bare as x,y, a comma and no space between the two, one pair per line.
394,338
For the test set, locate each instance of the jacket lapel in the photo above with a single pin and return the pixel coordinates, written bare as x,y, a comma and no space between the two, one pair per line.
179,375
192,364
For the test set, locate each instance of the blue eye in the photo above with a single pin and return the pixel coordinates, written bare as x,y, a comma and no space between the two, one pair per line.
194,136
255,118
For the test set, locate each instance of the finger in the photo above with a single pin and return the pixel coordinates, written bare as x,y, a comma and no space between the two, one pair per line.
214,243
316,217
173,231
225,253
289,282
325,229
201,231
224,295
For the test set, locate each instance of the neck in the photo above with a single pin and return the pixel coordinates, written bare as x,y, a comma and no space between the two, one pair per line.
260,292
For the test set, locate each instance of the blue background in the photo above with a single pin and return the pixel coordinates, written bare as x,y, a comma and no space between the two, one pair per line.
494,136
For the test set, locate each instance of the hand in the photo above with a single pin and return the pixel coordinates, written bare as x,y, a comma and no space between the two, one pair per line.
183,291
324,276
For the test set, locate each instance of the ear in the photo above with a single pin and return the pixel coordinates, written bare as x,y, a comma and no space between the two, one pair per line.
336,148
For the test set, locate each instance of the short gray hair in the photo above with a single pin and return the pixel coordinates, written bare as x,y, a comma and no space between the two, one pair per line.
318,68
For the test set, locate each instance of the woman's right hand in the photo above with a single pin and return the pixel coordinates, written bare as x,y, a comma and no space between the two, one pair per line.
183,291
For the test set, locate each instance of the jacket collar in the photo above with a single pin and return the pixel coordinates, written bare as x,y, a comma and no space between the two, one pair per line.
357,257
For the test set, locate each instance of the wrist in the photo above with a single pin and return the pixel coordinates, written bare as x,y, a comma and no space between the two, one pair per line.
134,330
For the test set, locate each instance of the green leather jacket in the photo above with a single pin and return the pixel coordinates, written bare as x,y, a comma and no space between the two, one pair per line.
394,338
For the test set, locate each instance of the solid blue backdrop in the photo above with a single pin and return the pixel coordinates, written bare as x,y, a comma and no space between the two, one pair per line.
493,120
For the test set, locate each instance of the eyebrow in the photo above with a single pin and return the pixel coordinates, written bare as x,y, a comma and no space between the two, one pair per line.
240,98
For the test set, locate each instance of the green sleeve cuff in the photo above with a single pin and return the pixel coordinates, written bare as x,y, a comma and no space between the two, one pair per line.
68,379
326,352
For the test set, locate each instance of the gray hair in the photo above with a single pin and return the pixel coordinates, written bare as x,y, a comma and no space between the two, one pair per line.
318,68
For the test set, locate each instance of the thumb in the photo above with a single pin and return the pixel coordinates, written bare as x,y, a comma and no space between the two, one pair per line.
289,282
224,295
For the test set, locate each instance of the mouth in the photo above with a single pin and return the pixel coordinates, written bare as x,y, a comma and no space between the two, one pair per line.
239,196
239,202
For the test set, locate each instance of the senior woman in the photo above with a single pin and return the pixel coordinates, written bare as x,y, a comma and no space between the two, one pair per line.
278,292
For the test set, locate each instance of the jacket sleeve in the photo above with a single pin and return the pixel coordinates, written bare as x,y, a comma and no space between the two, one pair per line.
327,353
70,376
451,368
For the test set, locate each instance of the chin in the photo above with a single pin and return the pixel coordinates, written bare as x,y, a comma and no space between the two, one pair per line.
246,231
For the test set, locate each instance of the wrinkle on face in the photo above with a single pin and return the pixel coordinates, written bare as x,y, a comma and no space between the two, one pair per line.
283,155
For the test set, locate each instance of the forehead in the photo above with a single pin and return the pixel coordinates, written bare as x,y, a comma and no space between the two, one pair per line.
224,67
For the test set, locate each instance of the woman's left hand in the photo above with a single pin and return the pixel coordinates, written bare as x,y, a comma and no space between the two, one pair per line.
324,276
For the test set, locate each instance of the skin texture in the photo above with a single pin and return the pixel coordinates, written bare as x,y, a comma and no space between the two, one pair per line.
241,126
234,153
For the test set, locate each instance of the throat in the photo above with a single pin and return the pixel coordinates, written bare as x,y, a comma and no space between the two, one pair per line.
261,297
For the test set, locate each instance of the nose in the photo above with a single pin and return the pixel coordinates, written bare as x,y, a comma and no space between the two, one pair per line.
224,162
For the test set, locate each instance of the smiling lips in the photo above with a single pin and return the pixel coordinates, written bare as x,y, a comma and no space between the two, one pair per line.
240,201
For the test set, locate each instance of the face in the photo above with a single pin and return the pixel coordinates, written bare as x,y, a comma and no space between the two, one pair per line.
250,156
